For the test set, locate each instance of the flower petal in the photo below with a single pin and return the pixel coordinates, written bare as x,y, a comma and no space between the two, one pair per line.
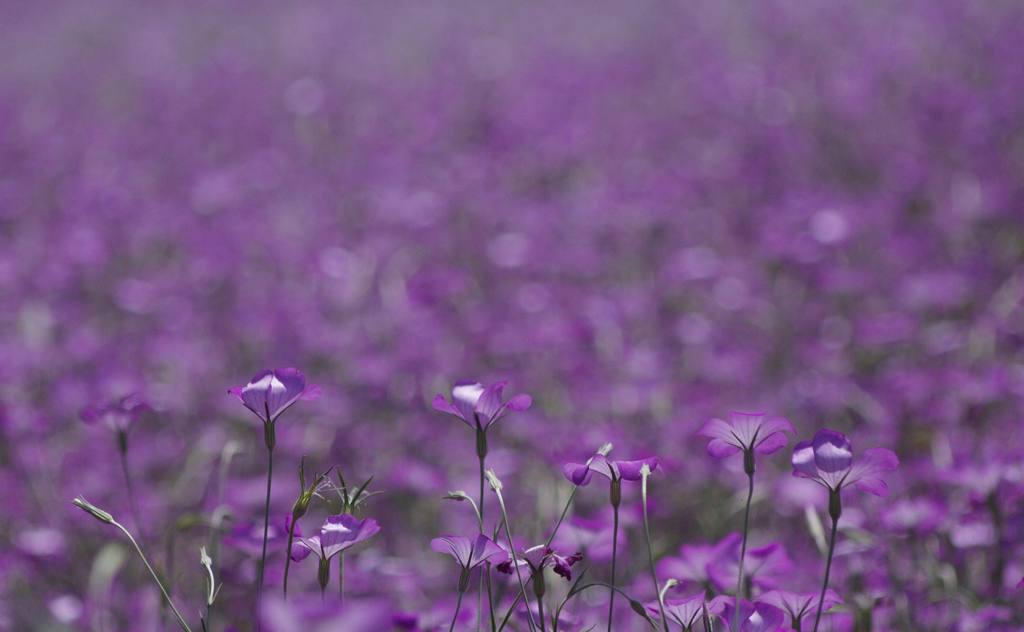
456,545
772,443
489,403
874,486
630,470
285,389
803,460
519,403
341,532
720,449
778,424
873,461
465,395
746,426
832,451
441,404
579,474
718,429
484,549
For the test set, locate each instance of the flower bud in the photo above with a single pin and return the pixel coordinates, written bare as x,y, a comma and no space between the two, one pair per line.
493,481
96,512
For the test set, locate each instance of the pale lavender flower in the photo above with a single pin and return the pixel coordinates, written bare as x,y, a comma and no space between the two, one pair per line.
752,617
338,534
478,406
748,432
686,612
469,553
270,393
798,606
580,474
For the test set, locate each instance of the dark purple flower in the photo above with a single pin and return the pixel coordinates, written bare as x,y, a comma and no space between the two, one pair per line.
540,557
338,534
478,406
828,461
270,393
470,552
799,605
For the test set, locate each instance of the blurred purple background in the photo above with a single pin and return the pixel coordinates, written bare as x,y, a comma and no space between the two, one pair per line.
643,214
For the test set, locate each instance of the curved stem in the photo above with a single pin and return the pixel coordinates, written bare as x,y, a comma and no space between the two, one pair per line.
743,551
828,567
266,526
288,555
615,548
512,548
562,517
181,621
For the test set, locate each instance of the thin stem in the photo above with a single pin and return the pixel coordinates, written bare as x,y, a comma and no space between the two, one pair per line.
266,526
828,567
647,532
288,555
743,551
181,621
615,548
512,547
131,489
562,517
540,607
480,509
485,572
490,597
341,576
458,605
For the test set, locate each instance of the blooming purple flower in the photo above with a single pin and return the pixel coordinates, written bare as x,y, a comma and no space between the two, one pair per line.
797,606
685,612
478,406
753,617
338,534
470,552
269,393
748,432
540,557
828,461
762,567
580,474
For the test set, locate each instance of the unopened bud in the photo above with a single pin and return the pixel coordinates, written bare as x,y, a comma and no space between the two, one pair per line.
493,481
638,608
459,495
96,512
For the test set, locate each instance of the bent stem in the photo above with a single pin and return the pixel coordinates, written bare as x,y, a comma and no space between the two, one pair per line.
512,548
743,551
828,567
181,621
458,605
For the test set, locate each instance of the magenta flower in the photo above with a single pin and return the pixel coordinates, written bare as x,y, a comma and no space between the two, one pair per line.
540,557
270,393
762,567
799,606
828,461
478,406
748,432
580,474
469,553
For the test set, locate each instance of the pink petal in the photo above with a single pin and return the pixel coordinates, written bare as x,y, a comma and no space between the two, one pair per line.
772,443
873,461
832,451
718,429
579,474
465,395
778,424
745,425
519,403
311,393
874,486
720,449
803,460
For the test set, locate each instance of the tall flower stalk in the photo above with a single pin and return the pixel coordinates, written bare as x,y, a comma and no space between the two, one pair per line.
828,461
267,395
748,432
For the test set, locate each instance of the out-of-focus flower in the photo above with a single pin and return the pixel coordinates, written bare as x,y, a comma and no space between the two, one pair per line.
828,461
748,432
762,567
798,606
119,416
478,406
469,553
270,393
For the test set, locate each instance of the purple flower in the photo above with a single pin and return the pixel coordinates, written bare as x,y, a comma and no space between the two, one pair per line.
470,552
540,557
338,534
119,416
580,474
748,432
762,567
687,611
753,617
478,406
828,461
799,606
269,393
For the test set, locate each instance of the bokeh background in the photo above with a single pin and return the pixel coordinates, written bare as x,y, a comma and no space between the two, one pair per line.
643,214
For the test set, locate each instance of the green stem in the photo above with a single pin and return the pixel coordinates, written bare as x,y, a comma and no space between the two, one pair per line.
266,526
341,576
650,554
615,548
828,567
540,606
562,517
181,621
123,444
288,555
458,605
743,551
512,548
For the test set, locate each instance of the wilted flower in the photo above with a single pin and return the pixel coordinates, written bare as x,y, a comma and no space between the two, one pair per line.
270,393
469,553
748,432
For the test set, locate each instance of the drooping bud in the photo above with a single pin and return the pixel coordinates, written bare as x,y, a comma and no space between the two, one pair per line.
493,481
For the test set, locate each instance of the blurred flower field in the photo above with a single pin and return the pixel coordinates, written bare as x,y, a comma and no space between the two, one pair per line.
640,215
